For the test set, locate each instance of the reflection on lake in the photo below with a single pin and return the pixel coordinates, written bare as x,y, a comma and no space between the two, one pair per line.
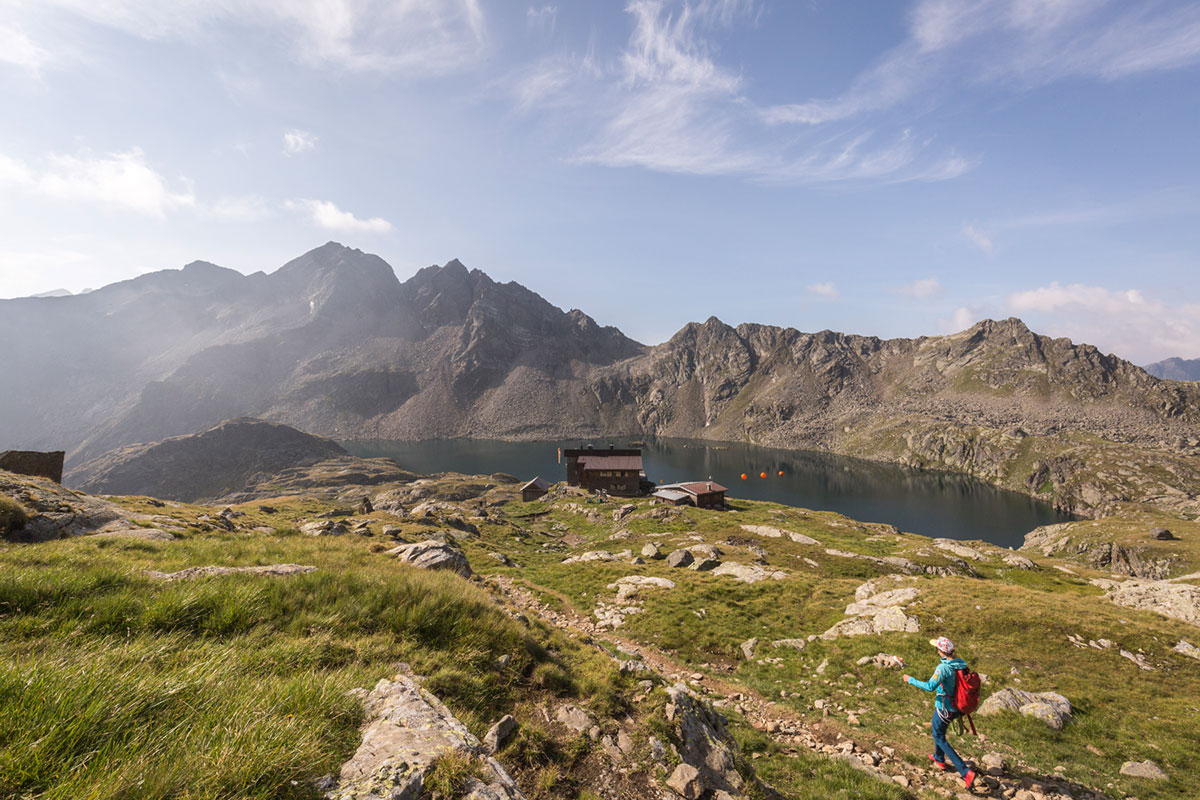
930,503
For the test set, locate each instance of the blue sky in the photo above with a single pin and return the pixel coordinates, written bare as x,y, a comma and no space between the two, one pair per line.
894,169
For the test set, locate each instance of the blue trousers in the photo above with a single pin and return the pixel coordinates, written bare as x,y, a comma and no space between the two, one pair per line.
942,750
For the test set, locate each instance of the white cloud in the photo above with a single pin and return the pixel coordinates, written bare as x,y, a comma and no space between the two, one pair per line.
978,238
920,289
670,106
297,141
964,317
118,179
1021,43
325,214
409,36
17,49
241,208
826,290
1126,322
27,272
541,18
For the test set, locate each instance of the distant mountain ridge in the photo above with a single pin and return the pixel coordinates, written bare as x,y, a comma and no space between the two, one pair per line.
334,344
1176,369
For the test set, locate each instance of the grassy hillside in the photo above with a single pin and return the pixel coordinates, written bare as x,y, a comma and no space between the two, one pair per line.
127,685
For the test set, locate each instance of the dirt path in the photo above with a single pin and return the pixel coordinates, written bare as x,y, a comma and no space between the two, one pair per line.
782,724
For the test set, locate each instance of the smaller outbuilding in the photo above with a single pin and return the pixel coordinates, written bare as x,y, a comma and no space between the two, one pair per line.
534,489
701,494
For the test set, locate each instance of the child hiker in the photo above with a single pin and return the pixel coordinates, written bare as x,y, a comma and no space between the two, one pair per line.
944,712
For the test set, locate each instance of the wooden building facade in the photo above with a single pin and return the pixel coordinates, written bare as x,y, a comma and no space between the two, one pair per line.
614,471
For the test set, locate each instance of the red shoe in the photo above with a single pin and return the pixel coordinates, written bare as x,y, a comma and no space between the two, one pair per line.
969,778
938,764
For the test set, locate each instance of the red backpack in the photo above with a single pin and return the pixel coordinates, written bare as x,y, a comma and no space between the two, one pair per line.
966,693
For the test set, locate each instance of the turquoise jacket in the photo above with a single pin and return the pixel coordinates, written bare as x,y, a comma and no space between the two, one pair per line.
942,682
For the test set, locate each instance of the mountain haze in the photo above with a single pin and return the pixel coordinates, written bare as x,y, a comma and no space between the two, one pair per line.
1176,369
334,344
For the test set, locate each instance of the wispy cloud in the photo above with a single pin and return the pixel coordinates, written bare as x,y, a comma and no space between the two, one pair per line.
825,291
241,208
1015,44
123,180
296,141
19,50
669,105
325,214
920,289
978,238
413,36
541,18
1128,322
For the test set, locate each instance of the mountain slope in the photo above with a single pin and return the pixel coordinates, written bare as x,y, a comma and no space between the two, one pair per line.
1176,369
218,461
334,344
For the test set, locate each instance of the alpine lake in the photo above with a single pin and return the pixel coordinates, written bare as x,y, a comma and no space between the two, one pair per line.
935,504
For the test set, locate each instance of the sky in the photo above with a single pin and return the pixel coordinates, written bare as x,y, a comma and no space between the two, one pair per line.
882,168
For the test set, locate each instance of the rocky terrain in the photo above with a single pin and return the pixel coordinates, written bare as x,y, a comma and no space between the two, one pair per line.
570,648
1176,369
334,344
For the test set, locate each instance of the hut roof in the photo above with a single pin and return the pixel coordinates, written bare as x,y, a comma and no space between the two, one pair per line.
696,487
536,483
603,461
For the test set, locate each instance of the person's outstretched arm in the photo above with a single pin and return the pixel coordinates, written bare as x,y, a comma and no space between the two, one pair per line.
929,685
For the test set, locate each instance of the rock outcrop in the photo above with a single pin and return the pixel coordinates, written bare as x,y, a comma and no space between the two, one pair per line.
407,730
874,611
1049,707
1179,601
433,554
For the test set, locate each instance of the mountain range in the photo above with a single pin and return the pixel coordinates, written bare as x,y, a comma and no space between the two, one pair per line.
334,344
1176,369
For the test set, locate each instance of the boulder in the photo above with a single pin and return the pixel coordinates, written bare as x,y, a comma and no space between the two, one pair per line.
432,554
407,730
500,733
960,550
652,551
685,782
776,533
1185,648
1162,535
1144,769
705,564
701,551
748,648
680,558
748,573
1050,707
703,742
324,527
882,660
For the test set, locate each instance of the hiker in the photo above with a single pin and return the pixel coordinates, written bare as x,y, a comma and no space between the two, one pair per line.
944,712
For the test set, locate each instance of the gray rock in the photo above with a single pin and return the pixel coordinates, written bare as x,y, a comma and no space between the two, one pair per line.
705,564
685,782
1188,649
701,551
1050,707
704,742
748,573
1162,535
748,648
574,718
994,761
1144,769
1179,601
325,527
407,730
500,733
202,572
680,558
432,554
795,644
652,550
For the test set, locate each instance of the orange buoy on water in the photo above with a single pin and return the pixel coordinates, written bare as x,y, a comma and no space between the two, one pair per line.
781,473
762,474
743,476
